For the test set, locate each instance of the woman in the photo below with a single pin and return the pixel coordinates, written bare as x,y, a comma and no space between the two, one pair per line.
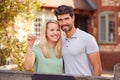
46,56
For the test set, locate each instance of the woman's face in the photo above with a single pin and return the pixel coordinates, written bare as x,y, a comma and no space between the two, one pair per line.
53,32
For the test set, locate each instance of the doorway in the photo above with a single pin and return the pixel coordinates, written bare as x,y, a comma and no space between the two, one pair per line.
81,22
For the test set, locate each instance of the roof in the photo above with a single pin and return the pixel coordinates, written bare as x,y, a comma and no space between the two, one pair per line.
76,4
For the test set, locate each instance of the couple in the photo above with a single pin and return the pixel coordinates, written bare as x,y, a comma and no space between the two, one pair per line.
79,49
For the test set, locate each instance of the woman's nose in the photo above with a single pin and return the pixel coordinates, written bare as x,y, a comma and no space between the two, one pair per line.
57,32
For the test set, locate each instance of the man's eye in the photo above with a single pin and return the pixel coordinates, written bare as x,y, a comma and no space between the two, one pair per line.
59,19
66,18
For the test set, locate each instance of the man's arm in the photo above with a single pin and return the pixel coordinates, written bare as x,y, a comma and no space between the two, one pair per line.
96,63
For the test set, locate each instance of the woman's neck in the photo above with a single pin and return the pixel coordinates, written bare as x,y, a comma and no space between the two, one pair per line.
51,44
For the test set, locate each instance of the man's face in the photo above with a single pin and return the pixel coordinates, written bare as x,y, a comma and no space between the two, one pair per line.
66,22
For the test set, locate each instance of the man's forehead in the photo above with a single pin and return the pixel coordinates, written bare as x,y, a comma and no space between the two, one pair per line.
63,16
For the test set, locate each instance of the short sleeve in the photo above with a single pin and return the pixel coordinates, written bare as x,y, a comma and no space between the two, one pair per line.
34,50
92,45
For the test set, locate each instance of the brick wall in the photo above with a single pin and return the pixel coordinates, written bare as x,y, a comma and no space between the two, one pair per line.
110,53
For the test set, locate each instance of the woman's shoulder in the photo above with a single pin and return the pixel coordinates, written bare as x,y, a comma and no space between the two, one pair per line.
36,47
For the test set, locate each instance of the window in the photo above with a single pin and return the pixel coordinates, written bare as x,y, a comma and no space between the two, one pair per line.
37,25
107,27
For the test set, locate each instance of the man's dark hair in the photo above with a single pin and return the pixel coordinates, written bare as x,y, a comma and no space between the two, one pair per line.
64,9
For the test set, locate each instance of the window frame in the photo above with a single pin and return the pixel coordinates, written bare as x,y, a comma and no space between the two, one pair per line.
106,15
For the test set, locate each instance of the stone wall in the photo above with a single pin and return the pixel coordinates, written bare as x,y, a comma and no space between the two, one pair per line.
117,71
15,75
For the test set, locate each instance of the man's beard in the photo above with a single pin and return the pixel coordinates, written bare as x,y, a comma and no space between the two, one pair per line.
66,28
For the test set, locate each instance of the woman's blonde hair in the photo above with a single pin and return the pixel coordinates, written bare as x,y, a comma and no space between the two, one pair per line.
44,43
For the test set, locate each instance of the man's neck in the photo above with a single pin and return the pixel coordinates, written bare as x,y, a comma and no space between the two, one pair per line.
70,33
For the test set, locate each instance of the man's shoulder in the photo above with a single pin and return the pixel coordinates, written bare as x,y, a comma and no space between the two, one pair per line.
85,34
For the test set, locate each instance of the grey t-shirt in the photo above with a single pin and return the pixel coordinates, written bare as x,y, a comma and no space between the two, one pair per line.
75,50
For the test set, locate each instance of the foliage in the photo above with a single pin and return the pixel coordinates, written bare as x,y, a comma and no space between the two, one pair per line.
10,46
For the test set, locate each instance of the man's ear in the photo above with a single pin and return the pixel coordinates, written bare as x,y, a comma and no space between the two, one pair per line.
73,17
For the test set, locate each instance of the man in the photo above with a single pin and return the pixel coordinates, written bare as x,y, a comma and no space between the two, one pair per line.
80,50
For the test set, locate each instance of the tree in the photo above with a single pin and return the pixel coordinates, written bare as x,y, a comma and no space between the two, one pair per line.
10,46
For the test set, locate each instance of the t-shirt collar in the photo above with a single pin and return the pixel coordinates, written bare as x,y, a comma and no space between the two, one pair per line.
74,36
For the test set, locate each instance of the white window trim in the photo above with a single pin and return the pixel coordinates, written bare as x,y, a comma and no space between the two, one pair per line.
105,13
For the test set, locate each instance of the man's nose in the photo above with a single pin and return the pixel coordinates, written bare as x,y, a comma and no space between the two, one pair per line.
63,22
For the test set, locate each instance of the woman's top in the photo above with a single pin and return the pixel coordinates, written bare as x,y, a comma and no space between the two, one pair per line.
51,65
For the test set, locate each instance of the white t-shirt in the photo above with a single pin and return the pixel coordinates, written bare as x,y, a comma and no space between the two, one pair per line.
75,50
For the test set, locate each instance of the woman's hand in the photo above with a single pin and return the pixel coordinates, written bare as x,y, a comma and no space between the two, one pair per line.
31,39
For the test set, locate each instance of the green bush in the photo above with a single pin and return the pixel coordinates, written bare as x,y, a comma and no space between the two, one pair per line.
10,46
13,48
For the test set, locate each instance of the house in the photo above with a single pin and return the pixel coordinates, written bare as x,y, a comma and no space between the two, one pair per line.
107,23
101,18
